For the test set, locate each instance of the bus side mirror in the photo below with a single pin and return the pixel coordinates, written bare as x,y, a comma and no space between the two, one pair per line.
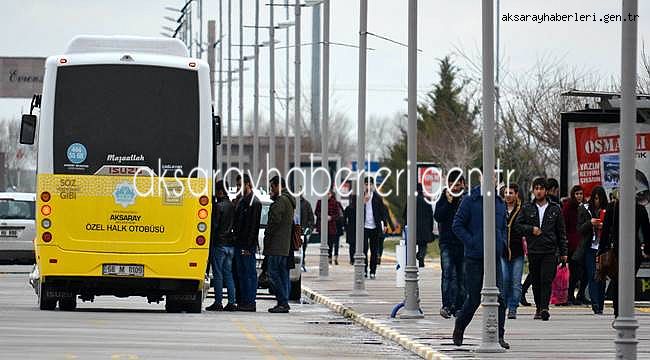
28,129
216,129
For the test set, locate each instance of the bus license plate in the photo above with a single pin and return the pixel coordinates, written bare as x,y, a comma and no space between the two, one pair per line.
123,270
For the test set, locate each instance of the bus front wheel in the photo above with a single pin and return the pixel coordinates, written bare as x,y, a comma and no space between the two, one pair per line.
68,303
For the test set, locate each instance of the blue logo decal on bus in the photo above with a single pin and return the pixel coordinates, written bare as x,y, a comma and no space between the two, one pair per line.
77,153
124,194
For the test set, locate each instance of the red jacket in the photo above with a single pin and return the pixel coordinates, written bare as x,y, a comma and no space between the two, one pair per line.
334,211
571,222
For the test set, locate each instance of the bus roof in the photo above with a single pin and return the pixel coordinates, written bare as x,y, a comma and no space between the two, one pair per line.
96,44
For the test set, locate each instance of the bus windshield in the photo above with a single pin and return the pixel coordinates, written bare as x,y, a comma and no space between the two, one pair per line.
125,115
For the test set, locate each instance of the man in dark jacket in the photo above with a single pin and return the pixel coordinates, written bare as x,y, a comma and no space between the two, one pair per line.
542,223
451,248
246,229
277,242
350,214
424,214
375,219
222,250
468,226
307,225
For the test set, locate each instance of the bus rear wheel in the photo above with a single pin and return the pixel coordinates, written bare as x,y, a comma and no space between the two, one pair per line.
44,301
68,303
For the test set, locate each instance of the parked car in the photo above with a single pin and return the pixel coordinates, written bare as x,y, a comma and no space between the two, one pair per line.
17,227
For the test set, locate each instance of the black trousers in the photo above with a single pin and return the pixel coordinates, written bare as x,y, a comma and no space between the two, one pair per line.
542,268
371,241
613,287
576,278
422,251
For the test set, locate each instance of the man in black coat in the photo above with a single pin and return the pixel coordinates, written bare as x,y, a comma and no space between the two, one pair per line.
542,223
375,219
451,247
424,231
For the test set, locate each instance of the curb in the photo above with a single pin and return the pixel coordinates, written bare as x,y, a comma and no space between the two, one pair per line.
384,331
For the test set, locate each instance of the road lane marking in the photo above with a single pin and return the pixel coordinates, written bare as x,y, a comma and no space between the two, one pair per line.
253,339
273,341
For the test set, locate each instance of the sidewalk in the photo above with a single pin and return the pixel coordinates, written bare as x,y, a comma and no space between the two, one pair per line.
571,333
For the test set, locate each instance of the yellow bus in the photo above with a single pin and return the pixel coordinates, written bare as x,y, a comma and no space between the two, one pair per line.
113,108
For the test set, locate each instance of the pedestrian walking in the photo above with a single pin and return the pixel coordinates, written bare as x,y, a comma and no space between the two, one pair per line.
277,242
570,211
307,225
451,247
512,261
350,215
246,228
542,223
590,225
610,240
334,216
222,250
375,214
424,215
468,226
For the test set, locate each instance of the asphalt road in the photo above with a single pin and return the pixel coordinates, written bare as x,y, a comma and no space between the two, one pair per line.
112,328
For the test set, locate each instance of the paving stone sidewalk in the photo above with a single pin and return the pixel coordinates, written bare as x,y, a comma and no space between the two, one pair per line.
572,332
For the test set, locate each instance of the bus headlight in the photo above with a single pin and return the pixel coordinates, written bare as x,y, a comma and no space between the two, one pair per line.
46,223
202,227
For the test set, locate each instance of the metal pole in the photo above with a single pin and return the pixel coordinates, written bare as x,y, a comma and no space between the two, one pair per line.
323,263
256,96
220,92
190,38
490,292
211,52
286,115
496,75
298,118
626,323
315,75
411,296
272,85
240,145
229,139
200,3
359,288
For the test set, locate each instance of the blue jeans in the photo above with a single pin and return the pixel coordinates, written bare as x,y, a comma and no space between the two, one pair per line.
452,284
222,272
512,272
246,276
473,286
279,277
596,287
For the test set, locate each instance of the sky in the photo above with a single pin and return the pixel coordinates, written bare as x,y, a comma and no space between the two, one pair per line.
44,27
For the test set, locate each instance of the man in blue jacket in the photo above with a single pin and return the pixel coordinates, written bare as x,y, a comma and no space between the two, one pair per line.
451,248
468,226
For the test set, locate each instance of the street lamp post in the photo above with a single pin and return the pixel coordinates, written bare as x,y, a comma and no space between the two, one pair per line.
490,292
256,95
220,92
240,139
229,139
323,263
359,288
411,290
626,324
286,109
272,86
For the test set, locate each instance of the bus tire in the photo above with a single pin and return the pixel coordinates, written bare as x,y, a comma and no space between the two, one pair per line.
68,303
195,306
45,302
295,290
172,306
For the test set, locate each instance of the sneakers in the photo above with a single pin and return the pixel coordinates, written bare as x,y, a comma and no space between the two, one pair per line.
280,309
230,307
504,344
215,307
372,276
421,263
457,337
336,260
538,315
247,308
512,314
523,300
445,313
545,315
